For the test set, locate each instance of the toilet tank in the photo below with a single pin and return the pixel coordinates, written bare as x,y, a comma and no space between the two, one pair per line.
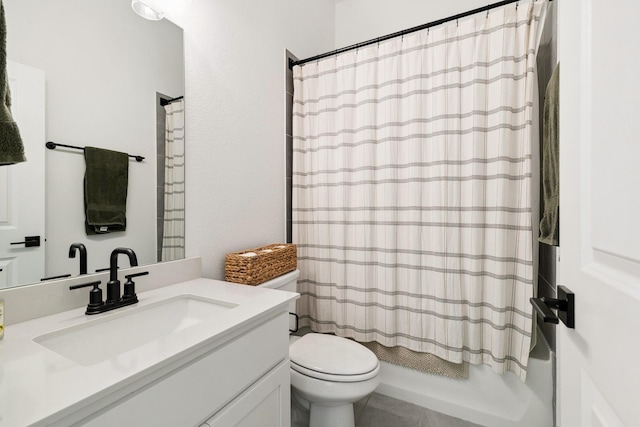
286,282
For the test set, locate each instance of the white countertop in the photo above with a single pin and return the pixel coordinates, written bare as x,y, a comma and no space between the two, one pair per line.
39,386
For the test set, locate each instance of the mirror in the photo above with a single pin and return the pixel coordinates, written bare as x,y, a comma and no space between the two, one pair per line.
104,70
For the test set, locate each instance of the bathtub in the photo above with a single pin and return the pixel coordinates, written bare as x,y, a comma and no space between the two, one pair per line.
484,398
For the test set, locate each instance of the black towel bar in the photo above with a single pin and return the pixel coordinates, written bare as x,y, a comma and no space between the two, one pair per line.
52,145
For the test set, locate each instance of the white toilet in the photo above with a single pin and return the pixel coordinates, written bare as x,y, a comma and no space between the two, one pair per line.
328,373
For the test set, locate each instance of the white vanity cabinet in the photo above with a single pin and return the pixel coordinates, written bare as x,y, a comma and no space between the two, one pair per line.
243,382
196,353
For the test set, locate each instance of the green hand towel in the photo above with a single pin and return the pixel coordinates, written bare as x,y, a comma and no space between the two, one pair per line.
11,147
106,180
549,224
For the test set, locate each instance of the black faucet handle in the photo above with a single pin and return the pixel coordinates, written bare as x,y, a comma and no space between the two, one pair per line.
129,276
95,296
86,285
130,287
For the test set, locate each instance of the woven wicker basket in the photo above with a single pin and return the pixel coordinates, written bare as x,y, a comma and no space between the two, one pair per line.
255,266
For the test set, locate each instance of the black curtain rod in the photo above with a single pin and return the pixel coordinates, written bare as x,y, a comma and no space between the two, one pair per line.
164,102
292,63
52,145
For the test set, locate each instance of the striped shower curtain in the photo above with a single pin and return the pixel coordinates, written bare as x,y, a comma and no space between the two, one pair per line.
173,237
412,192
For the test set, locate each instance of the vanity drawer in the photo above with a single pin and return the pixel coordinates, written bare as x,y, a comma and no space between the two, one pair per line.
189,396
266,403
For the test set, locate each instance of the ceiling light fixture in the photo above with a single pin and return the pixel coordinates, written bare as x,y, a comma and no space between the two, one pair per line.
146,11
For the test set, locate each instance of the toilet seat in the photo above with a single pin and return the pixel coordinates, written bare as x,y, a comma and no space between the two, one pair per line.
334,378
332,358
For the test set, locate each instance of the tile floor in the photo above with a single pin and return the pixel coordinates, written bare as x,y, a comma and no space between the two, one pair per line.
378,410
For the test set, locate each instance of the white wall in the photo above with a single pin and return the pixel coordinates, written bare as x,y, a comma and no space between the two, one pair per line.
235,124
102,71
361,20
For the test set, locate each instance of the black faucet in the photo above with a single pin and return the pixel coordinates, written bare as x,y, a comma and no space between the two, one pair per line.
83,255
113,286
114,300
96,305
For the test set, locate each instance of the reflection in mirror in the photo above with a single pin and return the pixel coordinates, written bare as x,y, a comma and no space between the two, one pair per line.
103,69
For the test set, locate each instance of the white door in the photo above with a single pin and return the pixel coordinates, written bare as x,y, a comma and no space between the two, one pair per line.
598,361
22,185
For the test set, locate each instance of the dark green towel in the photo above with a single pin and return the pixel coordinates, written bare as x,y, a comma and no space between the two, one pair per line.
11,147
106,180
549,224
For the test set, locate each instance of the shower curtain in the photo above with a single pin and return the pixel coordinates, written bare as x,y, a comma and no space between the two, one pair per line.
173,237
412,205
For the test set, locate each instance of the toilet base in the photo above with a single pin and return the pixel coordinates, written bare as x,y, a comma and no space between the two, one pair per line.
331,416
299,410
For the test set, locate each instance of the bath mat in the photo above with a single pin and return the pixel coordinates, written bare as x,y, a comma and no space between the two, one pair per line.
423,362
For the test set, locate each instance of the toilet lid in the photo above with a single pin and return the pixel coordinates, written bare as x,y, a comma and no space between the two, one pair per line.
329,354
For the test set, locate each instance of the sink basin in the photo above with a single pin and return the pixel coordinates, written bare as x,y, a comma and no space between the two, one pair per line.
101,339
